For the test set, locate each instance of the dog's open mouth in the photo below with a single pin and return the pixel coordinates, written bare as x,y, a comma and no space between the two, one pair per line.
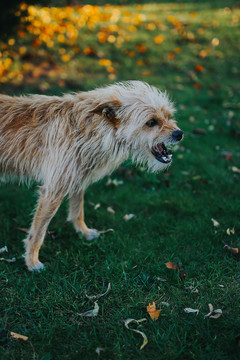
160,152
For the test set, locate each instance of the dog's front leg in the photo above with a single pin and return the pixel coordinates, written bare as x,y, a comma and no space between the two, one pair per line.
76,216
47,207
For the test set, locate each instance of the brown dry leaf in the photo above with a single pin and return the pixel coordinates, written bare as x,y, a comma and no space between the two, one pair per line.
230,231
231,249
18,336
190,310
145,339
172,265
151,309
215,222
210,310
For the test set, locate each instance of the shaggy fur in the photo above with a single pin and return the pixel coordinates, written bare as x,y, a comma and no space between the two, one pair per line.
66,143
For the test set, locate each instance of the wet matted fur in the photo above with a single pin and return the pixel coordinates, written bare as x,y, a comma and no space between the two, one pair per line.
66,143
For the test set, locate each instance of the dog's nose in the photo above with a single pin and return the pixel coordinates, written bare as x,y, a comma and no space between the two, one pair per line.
177,135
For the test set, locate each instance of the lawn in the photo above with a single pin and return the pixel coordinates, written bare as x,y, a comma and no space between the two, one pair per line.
190,49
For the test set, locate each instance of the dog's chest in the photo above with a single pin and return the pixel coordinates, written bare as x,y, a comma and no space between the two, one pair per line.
107,167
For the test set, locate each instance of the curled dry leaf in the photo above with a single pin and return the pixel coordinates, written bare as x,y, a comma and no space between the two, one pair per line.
231,249
98,350
235,169
190,310
165,303
97,206
128,217
110,210
230,231
218,313
210,310
172,265
145,339
105,231
95,297
114,182
215,222
91,313
3,249
151,309
18,336
8,260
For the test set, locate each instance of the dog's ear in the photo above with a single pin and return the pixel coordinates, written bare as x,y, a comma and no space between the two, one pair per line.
108,111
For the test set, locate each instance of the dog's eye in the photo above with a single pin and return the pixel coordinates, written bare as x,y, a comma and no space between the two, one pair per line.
152,122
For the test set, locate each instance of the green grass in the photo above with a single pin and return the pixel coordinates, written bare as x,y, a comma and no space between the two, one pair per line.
173,210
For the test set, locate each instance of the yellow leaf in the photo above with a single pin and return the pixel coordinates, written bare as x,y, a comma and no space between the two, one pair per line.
105,62
151,309
18,336
159,39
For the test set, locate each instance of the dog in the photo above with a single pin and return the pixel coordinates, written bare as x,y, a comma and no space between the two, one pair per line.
67,143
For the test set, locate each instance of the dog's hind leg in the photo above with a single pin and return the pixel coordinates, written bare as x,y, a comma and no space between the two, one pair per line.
76,216
46,209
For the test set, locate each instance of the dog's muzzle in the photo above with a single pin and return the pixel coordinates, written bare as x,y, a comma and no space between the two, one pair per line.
160,152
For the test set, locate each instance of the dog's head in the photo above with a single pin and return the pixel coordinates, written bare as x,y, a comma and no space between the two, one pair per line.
143,119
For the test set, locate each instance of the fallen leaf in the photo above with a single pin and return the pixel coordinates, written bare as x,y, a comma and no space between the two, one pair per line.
215,222
231,249
128,321
165,303
110,210
97,206
190,310
128,217
151,309
221,286
199,68
91,313
8,260
161,279
18,336
98,350
105,231
218,313
95,297
210,310
192,288
172,265
3,249
230,231
235,169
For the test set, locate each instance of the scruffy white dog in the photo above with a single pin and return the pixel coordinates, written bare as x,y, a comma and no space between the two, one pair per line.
66,143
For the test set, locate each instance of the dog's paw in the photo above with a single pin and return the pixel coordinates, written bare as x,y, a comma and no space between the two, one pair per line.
91,234
38,267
